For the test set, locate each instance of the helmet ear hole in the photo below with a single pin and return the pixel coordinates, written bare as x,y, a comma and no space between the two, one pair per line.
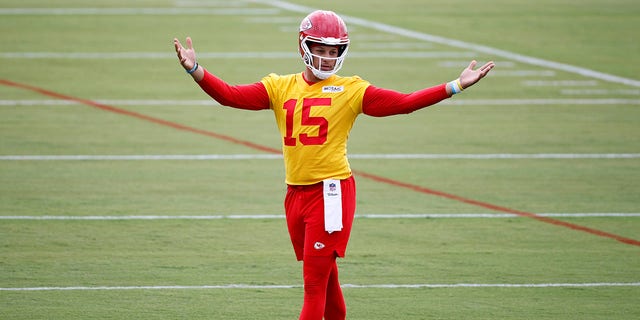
310,44
341,50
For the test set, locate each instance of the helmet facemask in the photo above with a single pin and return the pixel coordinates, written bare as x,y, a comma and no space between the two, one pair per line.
308,56
324,28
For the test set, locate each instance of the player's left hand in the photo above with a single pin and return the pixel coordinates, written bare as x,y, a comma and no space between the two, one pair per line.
469,76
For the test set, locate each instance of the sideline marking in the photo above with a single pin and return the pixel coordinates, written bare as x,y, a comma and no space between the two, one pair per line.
345,286
259,156
373,177
281,216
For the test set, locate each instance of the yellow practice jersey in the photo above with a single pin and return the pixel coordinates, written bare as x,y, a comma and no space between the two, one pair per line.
314,122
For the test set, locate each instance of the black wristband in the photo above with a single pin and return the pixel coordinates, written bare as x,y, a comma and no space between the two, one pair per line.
195,67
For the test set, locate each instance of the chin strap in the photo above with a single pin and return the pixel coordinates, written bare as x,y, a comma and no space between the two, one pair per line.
321,75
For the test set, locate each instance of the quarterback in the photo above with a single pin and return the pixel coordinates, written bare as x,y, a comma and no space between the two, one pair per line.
315,110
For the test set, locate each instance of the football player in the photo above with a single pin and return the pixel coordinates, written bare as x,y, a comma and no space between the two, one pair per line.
315,110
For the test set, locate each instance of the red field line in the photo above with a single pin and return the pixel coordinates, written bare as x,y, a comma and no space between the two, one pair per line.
358,173
138,115
498,208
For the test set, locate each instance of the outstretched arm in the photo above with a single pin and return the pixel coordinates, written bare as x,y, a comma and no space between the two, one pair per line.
249,96
379,102
187,58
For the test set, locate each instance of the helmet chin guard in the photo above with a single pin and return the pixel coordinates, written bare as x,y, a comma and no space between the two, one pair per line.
324,28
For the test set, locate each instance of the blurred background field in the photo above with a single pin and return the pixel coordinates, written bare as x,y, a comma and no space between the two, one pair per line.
584,117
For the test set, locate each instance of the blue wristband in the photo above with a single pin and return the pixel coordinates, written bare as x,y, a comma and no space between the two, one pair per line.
195,67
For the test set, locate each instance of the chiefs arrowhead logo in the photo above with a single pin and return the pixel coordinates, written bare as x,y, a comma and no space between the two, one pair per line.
305,24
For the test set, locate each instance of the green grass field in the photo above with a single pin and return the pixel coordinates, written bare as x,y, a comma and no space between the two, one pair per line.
93,239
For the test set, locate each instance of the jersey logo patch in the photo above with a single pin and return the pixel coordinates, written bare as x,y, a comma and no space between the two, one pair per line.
332,89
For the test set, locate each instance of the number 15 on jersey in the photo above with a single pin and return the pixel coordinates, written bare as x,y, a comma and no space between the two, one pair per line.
306,120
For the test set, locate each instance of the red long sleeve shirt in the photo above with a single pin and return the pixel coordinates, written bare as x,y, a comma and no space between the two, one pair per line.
377,102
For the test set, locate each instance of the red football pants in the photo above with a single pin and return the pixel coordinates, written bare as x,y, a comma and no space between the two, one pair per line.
304,208
318,249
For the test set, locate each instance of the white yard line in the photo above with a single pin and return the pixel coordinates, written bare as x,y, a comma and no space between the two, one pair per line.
136,11
258,156
544,102
261,156
500,156
523,73
281,216
118,102
586,92
211,102
492,52
346,286
230,55
560,83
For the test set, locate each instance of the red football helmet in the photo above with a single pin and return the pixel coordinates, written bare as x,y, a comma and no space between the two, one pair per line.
326,28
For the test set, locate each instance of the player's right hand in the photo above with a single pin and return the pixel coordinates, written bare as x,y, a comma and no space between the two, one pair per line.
187,56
